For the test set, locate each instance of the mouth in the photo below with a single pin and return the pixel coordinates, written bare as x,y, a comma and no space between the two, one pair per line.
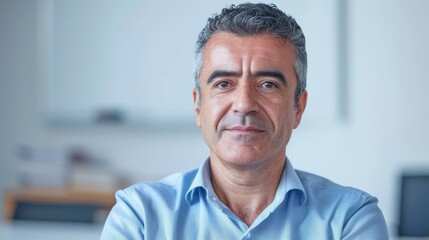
244,130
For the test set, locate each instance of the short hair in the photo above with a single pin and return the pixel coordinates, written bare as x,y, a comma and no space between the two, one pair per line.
249,19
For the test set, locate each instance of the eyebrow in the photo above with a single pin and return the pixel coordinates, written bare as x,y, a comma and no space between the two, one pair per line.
222,73
268,73
274,74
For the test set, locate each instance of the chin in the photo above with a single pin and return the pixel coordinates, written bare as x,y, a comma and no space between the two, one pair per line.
243,159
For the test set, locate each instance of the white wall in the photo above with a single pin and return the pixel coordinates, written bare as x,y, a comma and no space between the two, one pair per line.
17,81
389,52
386,131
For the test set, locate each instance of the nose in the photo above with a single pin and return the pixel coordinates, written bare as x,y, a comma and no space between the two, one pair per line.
245,99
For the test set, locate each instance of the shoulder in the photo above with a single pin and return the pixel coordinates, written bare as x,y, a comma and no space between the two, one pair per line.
324,194
144,203
314,184
169,188
355,211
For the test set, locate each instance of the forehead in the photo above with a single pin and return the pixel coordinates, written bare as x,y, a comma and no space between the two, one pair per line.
229,51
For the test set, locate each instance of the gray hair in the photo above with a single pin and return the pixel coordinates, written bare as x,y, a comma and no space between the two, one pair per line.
251,19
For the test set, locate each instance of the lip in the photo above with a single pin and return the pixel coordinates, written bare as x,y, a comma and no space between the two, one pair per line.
245,129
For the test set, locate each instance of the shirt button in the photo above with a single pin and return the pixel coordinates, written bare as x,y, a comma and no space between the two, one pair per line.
248,235
216,203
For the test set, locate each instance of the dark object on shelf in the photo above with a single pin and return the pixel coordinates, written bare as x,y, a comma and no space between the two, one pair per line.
58,204
414,205
85,213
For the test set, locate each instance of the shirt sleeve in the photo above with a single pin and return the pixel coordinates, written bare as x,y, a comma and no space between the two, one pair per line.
123,221
367,222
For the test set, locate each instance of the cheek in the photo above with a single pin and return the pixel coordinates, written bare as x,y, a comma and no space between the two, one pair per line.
215,109
283,119
283,128
210,116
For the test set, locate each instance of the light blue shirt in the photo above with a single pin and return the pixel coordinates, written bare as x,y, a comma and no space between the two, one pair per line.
184,206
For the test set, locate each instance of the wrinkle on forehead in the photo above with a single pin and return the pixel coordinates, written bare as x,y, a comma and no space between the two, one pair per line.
250,53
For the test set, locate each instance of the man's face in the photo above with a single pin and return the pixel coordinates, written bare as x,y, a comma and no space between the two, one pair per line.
247,108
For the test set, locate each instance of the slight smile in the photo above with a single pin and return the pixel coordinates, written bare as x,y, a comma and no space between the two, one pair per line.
244,130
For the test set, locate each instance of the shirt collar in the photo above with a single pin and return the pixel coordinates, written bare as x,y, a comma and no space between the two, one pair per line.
290,182
202,184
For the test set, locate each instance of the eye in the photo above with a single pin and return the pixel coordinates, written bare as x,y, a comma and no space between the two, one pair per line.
222,84
269,85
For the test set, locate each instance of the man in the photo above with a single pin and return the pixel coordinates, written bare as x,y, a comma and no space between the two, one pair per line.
250,94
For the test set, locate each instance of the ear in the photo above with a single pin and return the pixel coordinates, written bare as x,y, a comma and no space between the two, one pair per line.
197,99
300,107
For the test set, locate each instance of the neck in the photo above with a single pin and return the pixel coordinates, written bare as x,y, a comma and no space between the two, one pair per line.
247,191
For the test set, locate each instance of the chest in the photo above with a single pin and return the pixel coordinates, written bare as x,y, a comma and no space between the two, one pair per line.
212,221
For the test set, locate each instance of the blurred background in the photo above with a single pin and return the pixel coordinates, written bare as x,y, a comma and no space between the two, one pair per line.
96,95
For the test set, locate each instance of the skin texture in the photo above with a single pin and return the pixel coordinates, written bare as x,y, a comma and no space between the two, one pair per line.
246,116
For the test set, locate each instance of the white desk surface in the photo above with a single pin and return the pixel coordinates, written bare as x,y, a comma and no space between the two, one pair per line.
32,230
